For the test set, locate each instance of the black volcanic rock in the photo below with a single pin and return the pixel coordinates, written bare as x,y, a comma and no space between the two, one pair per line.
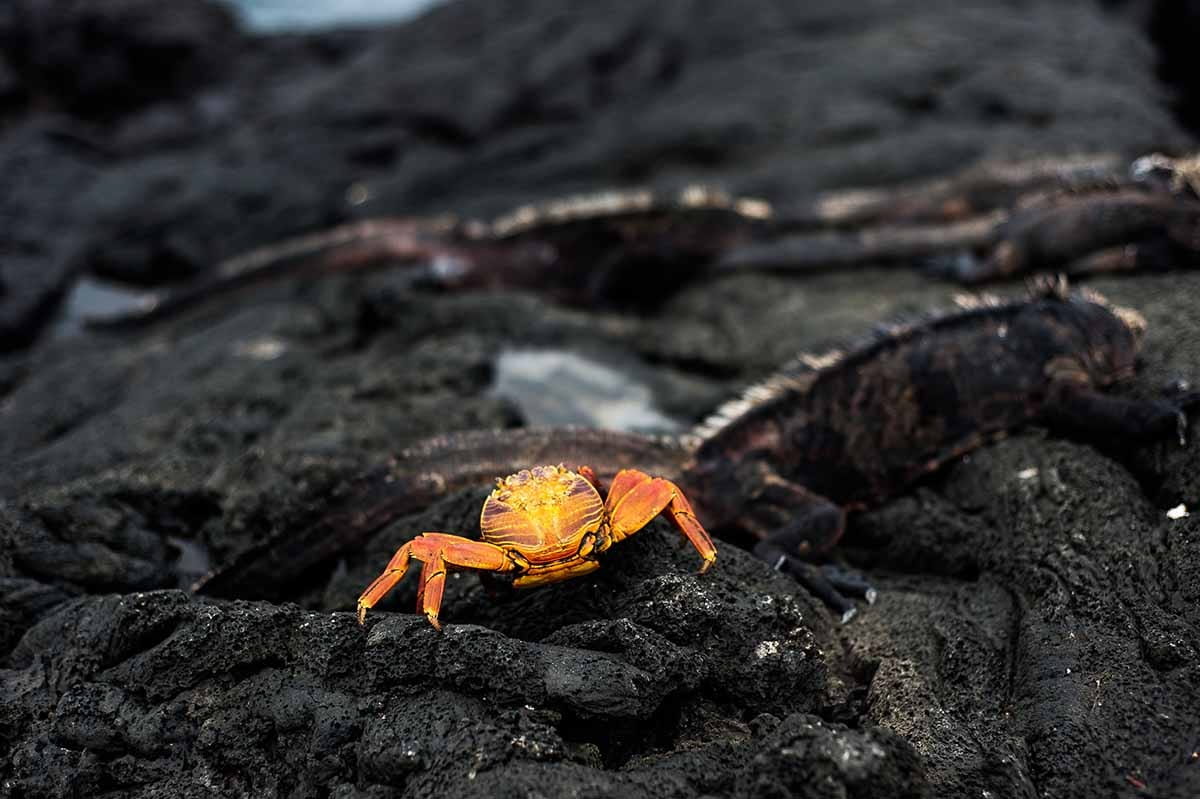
228,197
1006,593
171,682
1036,631
43,239
98,59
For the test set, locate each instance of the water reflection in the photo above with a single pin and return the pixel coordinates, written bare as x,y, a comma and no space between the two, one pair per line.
267,16
558,387
95,298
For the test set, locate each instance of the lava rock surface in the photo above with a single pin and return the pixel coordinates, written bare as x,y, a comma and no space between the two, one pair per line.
1037,630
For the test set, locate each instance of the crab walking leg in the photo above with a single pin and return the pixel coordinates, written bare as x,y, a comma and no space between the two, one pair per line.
433,585
421,587
635,498
436,551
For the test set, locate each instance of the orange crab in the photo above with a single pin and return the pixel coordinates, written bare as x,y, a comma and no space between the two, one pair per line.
542,525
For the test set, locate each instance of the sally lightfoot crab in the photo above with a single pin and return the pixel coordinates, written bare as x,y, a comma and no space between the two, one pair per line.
542,525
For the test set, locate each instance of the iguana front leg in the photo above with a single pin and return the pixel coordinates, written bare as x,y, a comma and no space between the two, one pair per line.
1084,411
794,525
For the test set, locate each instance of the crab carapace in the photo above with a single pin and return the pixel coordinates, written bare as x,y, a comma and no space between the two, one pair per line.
824,435
542,525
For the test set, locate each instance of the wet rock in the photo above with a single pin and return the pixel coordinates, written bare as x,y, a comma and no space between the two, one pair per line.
554,388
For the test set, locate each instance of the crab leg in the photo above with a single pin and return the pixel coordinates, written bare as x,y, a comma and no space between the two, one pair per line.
436,551
433,584
635,498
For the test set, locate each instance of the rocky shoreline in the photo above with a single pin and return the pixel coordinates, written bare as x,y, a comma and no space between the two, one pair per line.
1037,631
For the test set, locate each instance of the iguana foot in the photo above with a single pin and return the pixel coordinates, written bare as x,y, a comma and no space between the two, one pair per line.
828,583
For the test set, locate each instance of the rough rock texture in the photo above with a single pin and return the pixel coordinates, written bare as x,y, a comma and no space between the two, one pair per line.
1037,632
1034,633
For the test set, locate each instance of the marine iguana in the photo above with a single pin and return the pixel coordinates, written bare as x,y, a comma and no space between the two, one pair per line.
787,460
633,248
636,245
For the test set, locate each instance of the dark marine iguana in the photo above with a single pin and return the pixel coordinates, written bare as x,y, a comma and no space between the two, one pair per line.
785,462
580,250
633,248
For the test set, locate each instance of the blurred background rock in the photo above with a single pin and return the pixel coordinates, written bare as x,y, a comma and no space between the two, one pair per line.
141,142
